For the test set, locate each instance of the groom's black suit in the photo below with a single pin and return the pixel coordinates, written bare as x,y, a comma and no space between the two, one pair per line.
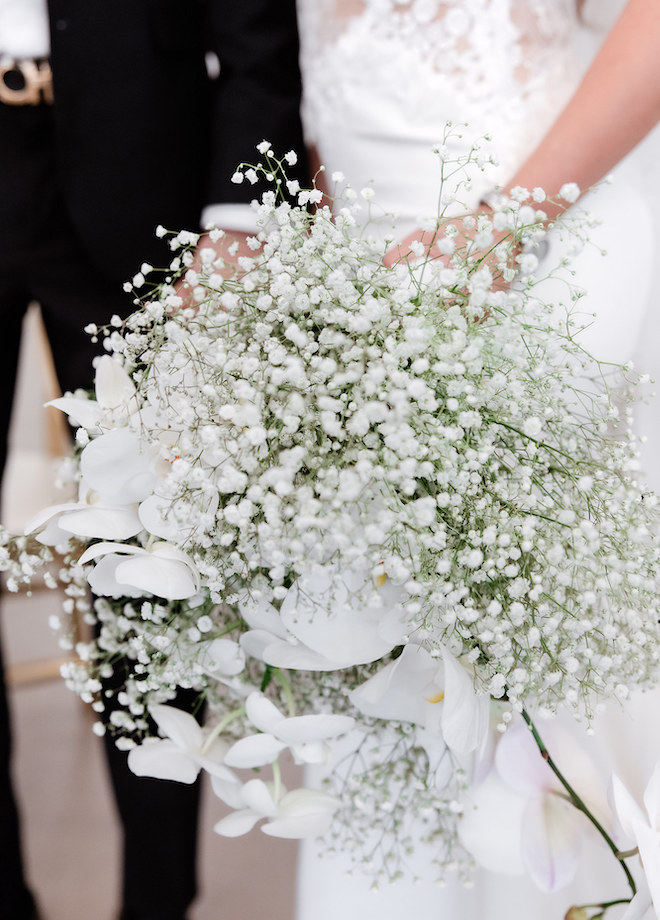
138,136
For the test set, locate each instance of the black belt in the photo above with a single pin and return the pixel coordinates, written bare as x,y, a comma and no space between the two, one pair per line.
26,82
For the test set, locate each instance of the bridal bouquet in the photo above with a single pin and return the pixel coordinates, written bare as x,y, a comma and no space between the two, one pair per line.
379,518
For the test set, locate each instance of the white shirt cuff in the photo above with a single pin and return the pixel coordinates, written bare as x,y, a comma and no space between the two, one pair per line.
230,217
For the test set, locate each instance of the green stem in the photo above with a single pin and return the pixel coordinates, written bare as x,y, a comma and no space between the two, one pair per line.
577,802
221,726
227,629
268,674
282,679
626,854
604,905
277,780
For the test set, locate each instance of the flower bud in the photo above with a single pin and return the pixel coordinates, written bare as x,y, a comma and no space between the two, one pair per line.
577,913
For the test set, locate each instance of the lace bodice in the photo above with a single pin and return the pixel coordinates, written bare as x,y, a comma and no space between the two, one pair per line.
384,73
473,42
470,60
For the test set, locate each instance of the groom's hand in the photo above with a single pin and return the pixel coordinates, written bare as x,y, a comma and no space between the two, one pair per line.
223,257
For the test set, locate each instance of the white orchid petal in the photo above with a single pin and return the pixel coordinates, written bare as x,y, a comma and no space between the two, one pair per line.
161,577
640,904
46,514
112,384
465,713
172,553
102,522
166,550
83,412
212,760
52,534
520,764
180,726
627,810
153,515
262,712
103,579
299,658
162,760
310,752
260,615
257,795
404,690
299,826
224,657
118,466
303,813
228,790
213,768
652,797
305,729
254,642
254,751
328,614
648,841
237,824
373,691
105,547
551,842
301,801
490,828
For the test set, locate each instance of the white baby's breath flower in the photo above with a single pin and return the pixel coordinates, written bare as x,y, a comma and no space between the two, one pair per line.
570,192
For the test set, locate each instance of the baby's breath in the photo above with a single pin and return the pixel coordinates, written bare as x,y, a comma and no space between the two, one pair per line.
318,414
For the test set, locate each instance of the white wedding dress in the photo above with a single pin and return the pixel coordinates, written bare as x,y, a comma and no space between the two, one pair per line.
381,78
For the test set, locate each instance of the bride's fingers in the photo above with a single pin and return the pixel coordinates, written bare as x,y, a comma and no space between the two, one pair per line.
414,245
394,255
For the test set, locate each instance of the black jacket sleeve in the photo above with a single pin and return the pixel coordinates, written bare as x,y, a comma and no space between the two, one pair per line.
257,95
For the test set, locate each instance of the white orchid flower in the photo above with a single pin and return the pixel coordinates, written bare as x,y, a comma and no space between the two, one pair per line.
155,520
520,820
465,713
131,571
643,827
116,474
186,749
294,815
436,695
115,399
222,658
490,826
120,467
306,735
154,513
408,689
326,622
89,517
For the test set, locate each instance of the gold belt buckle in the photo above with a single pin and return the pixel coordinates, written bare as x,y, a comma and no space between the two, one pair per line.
37,83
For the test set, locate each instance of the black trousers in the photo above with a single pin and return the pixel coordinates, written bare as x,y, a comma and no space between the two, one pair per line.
42,259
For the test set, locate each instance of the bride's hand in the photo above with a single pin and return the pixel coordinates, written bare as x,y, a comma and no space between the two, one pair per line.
423,244
418,244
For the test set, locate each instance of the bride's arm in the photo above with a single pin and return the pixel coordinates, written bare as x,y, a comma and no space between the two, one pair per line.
614,107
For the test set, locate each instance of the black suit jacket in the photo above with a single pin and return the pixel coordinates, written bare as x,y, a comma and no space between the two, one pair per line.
143,135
